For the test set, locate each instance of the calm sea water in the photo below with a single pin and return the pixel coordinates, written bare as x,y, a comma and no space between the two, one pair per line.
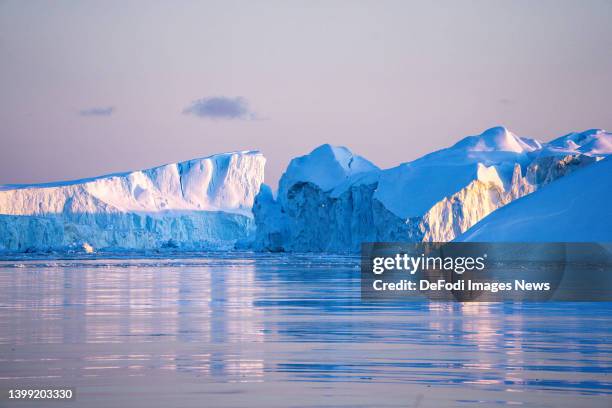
283,331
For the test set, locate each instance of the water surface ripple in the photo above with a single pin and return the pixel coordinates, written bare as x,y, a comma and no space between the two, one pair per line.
284,330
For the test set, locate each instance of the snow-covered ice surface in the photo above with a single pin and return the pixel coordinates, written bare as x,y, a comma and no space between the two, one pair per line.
326,167
200,203
324,207
591,142
411,189
576,208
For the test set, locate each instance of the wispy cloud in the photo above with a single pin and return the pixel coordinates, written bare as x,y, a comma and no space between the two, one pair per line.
97,111
220,107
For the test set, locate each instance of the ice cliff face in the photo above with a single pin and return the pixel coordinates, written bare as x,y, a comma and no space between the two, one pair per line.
201,203
434,198
575,208
319,203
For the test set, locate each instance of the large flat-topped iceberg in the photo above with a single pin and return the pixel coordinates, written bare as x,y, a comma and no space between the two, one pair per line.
200,203
224,182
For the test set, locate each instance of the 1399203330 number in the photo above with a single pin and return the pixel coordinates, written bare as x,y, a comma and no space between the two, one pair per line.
43,393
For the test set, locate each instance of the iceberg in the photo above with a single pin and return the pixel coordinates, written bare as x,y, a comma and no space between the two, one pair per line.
319,205
203,203
332,200
575,208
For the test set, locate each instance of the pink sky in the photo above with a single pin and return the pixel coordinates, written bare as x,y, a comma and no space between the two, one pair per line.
99,87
